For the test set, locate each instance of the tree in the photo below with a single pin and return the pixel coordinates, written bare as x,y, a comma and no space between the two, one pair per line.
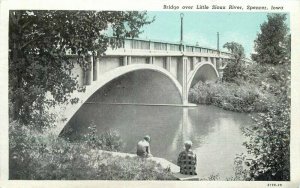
236,49
38,43
233,68
269,138
269,142
272,42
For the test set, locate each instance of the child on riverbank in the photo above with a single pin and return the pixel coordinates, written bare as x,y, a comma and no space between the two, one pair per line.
143,147
187,160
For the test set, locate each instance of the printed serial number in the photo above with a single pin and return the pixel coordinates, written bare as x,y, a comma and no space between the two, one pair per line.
274,185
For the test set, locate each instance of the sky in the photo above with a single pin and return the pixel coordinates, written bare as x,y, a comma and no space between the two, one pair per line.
202,27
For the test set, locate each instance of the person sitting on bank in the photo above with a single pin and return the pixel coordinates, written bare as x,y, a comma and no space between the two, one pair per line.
187,160
143,147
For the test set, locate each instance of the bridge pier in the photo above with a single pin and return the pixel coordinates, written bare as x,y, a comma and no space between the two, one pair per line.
183,79
151,60
168,63
124,61
194,62
88,73
128,60
95,68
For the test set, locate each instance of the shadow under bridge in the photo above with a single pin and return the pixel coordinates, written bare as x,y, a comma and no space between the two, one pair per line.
138,84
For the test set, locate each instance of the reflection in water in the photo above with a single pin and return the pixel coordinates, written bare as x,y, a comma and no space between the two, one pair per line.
215,133
186,125
183,131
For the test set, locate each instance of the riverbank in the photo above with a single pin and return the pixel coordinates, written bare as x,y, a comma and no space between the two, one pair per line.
212,118
266,91
255,90
37,156
231,96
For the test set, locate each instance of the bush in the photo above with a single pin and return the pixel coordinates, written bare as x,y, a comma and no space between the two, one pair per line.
36,156
240,169
232,72
109,140
265,89
269,138
211,177
200,94
133,169
231,96
269,144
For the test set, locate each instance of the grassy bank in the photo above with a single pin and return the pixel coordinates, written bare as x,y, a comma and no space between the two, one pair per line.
256,89
36,156
231,96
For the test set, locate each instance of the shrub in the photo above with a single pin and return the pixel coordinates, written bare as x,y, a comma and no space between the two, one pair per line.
232,72
200,94
231,96
269,144
133,169
269,137
109,140
240,169
35,156
211,177
265,89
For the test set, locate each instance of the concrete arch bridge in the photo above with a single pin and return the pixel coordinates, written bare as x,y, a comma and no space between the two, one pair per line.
146,72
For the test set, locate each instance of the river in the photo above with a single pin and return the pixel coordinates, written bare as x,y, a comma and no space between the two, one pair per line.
216,134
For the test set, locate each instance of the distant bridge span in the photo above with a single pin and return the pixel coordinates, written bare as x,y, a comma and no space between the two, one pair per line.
203,71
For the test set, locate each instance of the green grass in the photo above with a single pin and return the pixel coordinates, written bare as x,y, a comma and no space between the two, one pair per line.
231,96
36,156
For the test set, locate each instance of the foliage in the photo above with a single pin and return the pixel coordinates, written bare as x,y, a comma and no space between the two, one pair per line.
39,69
274,79
233,69
36,156
264,88
232,72
211,177
272,45
240,169
109,140
231,96
270,144
237,50
135,168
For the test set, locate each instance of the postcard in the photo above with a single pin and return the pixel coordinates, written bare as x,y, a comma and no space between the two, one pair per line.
150,93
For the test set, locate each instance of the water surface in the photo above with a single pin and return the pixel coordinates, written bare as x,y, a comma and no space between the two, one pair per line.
215,133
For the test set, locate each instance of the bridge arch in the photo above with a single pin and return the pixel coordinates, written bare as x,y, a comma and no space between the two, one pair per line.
107,78
203,71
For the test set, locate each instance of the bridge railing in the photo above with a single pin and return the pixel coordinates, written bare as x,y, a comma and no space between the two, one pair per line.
142,45
161,47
